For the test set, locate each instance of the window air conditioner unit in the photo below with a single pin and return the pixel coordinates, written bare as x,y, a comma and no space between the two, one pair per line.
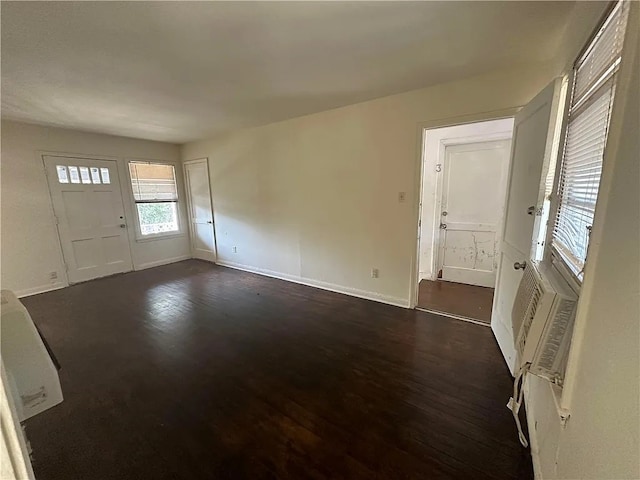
542,316
32,370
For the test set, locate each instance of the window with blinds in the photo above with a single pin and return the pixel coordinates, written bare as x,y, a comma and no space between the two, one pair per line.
155,193
592,97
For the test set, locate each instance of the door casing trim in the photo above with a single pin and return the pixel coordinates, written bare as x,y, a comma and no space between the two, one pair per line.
187,190
421,129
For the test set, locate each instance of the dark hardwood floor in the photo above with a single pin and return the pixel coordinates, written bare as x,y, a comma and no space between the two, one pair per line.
468,301
195,371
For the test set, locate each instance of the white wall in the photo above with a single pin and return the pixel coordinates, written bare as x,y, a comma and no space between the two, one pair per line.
432,155
30,244
602,390
315,199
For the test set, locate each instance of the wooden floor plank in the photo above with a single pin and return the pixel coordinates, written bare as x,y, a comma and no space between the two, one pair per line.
454,298
192,370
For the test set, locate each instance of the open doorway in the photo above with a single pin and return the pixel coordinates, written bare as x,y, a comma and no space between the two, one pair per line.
464,179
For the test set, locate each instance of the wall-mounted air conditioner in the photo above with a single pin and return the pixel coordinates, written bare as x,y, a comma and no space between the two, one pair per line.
31,369
542,316
543,313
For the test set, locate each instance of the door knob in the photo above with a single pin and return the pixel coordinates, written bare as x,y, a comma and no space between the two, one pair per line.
122,225
519,265
209,221
443,226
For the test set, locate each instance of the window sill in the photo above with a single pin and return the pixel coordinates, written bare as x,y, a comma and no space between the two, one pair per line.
565,271
153,238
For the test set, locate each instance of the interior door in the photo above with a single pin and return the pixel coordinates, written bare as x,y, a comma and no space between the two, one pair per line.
532,148
87,202
200,211
472,210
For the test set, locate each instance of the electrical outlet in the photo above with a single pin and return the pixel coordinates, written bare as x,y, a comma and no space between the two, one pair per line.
375,273
234,249
402,196
53,276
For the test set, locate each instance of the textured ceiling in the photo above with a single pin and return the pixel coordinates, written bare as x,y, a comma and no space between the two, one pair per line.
178,71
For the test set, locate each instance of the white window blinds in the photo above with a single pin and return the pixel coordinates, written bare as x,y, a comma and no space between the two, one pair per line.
586,137
153,182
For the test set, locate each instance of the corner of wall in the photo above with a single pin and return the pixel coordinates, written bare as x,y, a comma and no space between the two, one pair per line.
40,289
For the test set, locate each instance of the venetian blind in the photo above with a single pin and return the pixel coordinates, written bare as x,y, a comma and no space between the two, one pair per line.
586,136
153,182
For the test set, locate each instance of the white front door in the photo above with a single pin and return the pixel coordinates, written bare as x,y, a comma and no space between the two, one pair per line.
533,135
87,203
472,210
196,175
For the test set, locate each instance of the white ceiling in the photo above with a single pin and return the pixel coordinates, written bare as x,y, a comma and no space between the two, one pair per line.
178,71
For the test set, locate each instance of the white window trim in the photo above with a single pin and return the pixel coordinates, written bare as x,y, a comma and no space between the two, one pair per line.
139,237
551,255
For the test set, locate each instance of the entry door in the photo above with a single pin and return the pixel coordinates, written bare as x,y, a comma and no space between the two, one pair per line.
87,203
200,212
472,210
532,148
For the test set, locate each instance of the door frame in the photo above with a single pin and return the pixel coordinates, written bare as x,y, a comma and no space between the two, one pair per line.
41,154
421,129
187,187
438,237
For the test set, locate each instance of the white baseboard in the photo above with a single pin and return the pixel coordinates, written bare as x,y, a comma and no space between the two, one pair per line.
40,289
354,292
58,285
164,261
332,287
427,276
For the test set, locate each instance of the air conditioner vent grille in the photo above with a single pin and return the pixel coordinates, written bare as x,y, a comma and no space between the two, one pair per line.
555,339
525,306
531,311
